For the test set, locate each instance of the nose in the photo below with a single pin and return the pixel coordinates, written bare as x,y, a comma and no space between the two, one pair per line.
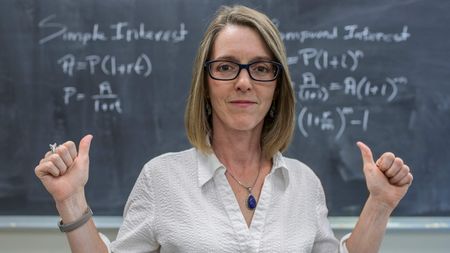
243,81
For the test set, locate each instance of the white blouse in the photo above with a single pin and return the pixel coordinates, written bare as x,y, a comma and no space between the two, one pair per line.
182,202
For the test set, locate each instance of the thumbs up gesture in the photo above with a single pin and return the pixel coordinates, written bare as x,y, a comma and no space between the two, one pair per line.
387,179
65,172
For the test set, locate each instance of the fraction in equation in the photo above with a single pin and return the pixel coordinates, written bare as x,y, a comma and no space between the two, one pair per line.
333,121
310,90
106,100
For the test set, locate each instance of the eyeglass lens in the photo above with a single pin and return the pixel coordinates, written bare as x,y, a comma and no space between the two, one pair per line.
259,71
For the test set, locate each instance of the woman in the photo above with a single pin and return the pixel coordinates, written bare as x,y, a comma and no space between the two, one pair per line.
234,191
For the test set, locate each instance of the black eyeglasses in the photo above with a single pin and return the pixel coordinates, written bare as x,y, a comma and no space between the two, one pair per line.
261,71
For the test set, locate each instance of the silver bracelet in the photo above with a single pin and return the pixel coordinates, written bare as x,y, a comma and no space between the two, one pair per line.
76,224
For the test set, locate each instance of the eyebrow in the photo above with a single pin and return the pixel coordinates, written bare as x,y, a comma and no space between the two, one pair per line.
234,59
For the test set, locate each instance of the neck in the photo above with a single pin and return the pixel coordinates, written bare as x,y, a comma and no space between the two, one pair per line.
240,152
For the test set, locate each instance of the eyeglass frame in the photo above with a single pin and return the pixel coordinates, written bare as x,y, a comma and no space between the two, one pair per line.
243,66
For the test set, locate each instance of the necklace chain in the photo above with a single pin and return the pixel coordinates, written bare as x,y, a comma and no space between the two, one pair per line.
251,200
249,188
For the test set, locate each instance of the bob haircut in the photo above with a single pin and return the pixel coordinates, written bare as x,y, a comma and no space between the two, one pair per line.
278,126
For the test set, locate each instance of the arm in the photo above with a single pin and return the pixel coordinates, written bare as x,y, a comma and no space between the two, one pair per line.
388,181
64,174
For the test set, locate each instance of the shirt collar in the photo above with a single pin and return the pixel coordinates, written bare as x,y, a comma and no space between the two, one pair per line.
209,165
279,164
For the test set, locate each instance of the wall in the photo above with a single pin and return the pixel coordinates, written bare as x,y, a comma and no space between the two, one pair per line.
52,241
397,240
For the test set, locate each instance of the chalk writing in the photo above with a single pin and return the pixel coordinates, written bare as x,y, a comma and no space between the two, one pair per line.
352,32
71,91
310,90
304,35
359,86
108,65
334,121
120,31
321,59
104,101
347,32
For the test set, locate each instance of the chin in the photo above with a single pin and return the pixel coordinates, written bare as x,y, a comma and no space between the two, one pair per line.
239,123
245,125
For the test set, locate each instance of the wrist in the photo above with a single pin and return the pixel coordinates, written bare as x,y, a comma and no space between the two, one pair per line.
68,227
380,206
72,208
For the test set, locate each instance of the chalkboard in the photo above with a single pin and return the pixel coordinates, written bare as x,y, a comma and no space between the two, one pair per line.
376,71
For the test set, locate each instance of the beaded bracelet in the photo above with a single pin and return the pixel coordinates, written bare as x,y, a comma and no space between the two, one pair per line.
76,224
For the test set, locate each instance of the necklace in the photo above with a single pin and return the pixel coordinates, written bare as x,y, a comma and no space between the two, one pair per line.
251,200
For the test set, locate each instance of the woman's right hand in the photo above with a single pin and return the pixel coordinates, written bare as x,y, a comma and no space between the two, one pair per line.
65,172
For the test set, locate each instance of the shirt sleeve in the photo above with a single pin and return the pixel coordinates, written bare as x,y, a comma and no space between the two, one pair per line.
325,241
137,231
343,245
106,241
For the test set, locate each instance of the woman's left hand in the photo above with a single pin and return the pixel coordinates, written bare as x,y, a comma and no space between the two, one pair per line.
387,179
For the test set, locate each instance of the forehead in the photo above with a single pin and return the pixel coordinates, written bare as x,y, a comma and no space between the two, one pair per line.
242,43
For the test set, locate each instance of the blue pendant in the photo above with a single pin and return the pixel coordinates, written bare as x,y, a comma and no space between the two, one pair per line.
251,202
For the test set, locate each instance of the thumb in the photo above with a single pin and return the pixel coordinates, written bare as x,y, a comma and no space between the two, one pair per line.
85,144
366,154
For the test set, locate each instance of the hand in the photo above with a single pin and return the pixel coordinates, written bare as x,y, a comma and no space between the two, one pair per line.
65,173
388,179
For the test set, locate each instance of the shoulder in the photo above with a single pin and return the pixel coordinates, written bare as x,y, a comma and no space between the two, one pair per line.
172,157
297,167
299,171
304,182
173,164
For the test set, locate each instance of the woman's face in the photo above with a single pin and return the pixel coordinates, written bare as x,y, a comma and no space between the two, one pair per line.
240,104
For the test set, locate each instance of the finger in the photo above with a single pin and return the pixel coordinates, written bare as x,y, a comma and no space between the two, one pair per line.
48,154
366,153
58,162
45,169
408,179
395,167
385,161
72,148
64,154
85,144
400,175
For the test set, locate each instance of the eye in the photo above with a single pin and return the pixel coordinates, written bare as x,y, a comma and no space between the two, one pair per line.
224,67
262,67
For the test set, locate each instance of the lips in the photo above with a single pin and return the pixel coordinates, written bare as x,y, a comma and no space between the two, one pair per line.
243,103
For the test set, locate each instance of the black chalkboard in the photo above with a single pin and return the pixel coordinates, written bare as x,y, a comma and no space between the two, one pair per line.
376,71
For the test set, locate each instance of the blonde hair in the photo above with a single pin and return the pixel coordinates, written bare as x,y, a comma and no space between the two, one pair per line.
277,130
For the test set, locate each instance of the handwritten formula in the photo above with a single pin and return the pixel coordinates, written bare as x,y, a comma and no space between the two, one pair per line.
318,109
108,65
77,65
104,101
360,88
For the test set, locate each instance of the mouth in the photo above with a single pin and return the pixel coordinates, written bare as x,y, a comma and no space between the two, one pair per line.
243,103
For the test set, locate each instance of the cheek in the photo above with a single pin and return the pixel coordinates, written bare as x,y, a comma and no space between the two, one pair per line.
268,98
216,98
217,90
